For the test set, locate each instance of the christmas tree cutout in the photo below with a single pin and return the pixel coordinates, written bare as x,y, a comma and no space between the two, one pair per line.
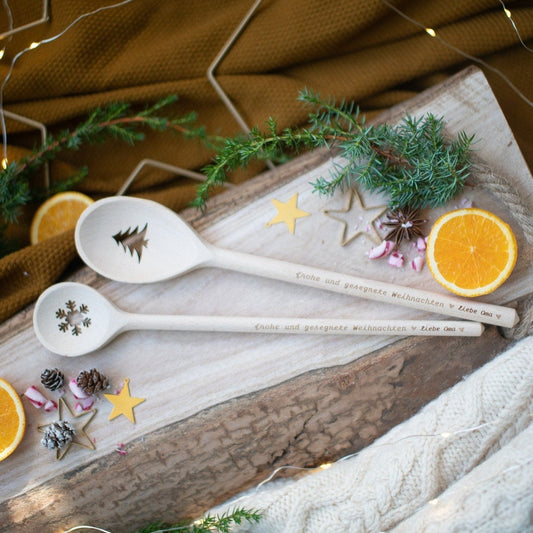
133,240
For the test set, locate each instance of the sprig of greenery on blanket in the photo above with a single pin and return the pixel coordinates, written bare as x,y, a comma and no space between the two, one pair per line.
209,523
412,162
118,120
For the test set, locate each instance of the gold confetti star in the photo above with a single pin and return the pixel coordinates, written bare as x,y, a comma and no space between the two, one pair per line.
123,402
288,213
78,425
357,218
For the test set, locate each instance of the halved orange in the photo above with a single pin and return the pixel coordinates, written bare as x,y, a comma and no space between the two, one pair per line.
12,419
59,213
471,251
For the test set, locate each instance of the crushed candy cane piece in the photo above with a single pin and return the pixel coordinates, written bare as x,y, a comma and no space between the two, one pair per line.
50,405
35,397
84,404
120,449
421,244
396,259
78,392
384,249
418,263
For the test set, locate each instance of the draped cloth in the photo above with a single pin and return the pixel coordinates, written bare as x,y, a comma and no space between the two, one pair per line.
463,463
353,50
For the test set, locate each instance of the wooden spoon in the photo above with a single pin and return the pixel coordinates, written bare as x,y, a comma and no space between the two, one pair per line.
135,240
74,319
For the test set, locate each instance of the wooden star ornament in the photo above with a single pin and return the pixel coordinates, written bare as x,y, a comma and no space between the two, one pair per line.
288,212
357,218
123,402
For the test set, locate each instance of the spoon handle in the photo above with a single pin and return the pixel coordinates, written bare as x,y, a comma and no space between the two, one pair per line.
317,326
363,288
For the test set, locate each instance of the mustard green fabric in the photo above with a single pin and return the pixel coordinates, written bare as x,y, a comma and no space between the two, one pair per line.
357,50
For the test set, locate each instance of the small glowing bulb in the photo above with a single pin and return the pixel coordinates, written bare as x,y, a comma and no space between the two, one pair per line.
434,502
2,52
34,45
507,12
431,31
4,163
324,466
445,435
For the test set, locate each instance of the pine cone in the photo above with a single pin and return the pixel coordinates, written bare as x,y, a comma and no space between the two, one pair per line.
58,434
91,381
52,378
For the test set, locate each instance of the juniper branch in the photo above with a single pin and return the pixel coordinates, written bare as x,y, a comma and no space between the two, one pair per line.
209,523
117,120
412,162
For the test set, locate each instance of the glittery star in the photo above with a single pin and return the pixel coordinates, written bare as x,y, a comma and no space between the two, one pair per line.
123,402
358,218
79,427
288,213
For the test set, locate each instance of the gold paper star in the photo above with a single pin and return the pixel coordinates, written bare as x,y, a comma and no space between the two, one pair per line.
123,402
87,442
288,213
352,217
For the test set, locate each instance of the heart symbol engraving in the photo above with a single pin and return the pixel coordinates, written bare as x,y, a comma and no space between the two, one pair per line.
451,306
498,316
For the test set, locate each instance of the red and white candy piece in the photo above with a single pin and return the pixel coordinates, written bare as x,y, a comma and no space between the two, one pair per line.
50,405
78,392
35,397
384,249
396,259
421,244
418,263
84,404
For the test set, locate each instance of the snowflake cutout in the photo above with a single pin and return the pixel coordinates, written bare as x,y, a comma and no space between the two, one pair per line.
73,317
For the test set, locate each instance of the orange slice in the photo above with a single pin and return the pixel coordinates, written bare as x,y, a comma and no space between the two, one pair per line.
57,214
12,419
471,251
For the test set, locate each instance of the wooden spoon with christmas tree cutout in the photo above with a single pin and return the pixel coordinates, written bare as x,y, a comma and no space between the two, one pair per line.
134,240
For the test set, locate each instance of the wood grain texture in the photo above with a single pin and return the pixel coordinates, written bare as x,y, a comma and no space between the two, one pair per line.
223,412
180,470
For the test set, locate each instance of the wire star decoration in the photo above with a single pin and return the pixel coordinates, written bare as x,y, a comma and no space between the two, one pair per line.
357,218
79,428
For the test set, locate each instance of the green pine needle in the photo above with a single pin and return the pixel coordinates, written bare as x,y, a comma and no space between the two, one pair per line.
117,120
209,523
412,162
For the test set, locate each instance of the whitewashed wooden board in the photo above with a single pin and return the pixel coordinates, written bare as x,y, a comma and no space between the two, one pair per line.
181,373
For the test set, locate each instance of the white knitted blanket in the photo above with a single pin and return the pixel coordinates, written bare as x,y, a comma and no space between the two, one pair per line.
463,463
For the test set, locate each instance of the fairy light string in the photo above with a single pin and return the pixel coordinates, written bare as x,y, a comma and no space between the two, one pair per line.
509,15
33,46
7,9
433,34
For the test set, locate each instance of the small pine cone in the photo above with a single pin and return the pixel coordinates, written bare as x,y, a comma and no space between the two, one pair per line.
57,435
52,378
91,381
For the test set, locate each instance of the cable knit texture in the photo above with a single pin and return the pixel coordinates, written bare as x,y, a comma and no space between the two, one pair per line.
463,463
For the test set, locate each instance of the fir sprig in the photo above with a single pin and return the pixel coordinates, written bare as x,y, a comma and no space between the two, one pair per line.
117,120
209,523
412,162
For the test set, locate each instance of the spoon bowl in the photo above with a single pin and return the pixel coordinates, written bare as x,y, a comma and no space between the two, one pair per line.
74,319
137,241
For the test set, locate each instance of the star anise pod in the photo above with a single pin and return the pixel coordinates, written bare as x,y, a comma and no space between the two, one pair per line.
405,224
